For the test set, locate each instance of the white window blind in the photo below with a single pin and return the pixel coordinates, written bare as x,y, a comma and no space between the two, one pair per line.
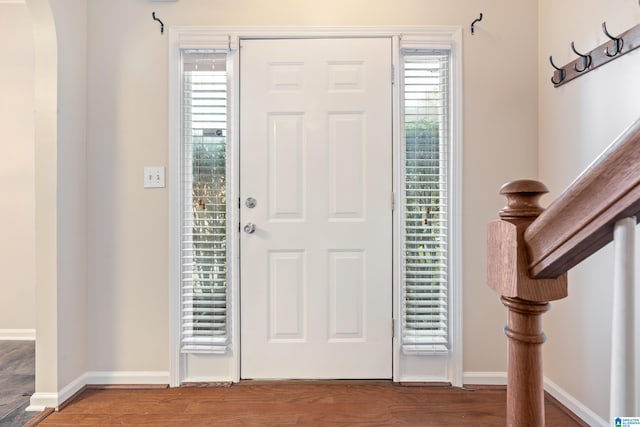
425,231
204,252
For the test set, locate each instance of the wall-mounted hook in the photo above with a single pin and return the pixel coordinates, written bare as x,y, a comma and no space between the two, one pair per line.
612,48
561,70
473,24
618,42
586,60
153,15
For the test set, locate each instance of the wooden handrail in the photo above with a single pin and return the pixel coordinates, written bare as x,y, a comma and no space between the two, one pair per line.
530,250
581,220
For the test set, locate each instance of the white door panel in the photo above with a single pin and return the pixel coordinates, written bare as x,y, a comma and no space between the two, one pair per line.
316,274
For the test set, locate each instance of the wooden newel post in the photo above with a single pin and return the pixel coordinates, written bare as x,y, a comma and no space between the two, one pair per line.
525,298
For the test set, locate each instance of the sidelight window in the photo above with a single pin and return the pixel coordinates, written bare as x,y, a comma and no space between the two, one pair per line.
425,201
203,246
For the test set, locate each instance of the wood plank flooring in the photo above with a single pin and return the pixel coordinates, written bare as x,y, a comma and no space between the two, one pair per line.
17,381
338,403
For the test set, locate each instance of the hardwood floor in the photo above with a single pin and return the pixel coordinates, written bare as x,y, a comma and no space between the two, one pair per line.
363,403
17,381
353,403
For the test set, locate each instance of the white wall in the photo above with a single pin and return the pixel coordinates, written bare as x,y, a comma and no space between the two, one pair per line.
127,129
59,29
17,187
71,30
46,153
128,226
577,122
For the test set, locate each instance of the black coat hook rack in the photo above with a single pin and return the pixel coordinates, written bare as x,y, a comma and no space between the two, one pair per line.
612,49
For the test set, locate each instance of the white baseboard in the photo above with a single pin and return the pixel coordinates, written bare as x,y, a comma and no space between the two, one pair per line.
208,380
127,377
17,334
485,378
39,401
572,404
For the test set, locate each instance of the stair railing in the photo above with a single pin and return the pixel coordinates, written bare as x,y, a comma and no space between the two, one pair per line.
530,250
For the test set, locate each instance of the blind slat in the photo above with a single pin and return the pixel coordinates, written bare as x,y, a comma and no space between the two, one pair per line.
425,201
204,186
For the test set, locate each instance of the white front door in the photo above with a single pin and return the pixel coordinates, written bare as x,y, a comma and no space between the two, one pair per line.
316,161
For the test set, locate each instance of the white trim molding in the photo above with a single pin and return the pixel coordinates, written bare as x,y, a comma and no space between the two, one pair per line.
554,390
228,366
572,404
17,334
40,401
127,377
485,378
447,366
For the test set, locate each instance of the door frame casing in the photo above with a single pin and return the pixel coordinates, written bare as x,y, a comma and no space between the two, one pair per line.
226,367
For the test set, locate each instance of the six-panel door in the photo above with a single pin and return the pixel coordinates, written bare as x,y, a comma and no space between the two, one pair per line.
316,180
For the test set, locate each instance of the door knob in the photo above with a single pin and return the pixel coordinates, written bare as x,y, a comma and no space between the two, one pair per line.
250,202
249,228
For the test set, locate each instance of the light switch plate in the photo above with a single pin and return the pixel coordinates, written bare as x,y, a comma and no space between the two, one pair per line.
154,177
